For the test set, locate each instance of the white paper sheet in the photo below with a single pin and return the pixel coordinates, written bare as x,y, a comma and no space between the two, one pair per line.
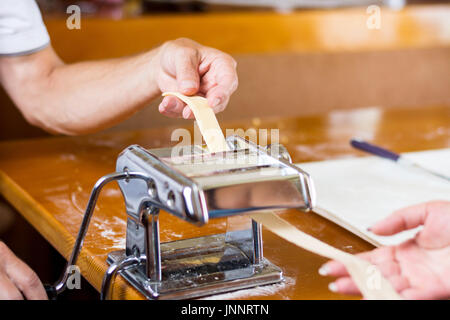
355,193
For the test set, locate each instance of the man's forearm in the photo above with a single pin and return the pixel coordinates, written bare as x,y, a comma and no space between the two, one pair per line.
82,97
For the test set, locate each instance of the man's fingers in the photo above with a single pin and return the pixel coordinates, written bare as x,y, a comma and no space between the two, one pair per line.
218,102
226,81
187,75
171,114
404,219
187,113
217,99
8,291
21,275
171,105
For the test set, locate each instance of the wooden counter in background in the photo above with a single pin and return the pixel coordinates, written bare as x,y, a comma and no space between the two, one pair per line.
49,180
304,31
302,63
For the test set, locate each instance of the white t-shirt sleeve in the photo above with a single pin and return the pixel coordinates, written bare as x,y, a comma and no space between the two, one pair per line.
22,30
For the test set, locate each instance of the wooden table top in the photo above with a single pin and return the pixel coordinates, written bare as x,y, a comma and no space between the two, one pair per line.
49,181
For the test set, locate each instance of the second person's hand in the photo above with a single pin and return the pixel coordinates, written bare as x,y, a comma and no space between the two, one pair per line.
418,268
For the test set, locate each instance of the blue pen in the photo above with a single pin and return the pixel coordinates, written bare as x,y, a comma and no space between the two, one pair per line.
387,154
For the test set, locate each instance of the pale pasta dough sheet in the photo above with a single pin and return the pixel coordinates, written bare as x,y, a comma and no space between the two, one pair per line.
355,193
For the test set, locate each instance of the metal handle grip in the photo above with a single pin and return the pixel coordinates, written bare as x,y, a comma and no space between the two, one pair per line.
59,286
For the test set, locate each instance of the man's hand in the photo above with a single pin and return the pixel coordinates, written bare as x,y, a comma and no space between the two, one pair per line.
418,268
17,280
187,67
